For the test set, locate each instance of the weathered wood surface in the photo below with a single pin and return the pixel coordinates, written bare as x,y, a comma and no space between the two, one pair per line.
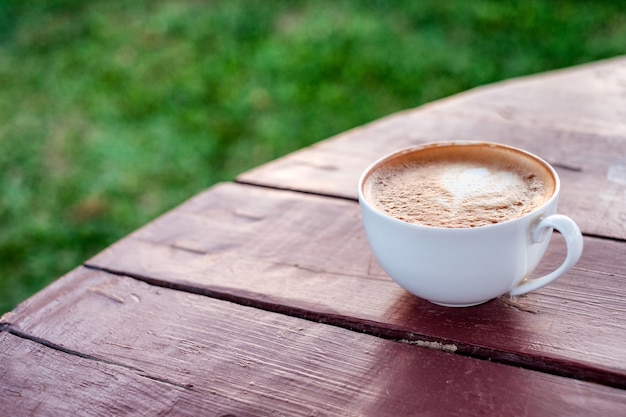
573,118
99,344
307,255
36,380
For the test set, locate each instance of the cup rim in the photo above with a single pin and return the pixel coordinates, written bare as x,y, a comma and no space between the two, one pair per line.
413,148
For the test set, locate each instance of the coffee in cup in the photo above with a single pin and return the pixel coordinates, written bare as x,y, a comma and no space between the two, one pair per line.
460,223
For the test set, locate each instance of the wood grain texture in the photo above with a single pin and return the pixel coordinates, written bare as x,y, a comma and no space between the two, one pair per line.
36,380
307,256
126,347
573,118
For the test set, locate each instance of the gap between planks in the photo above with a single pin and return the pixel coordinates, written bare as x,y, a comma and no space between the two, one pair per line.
295,190
6,327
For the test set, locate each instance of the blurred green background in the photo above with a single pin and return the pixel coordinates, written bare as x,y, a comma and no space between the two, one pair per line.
112,112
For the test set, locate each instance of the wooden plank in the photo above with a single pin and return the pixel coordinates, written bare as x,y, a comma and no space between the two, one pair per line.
586,99
307,256
573,118
219,358
36,380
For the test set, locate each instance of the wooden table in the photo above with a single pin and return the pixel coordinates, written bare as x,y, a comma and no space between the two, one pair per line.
261,297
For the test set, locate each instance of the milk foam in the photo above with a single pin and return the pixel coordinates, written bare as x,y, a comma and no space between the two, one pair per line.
458,192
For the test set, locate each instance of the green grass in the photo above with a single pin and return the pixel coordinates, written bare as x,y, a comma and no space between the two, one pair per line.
112,112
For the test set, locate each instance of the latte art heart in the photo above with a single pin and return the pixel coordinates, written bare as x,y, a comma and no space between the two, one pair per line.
479,184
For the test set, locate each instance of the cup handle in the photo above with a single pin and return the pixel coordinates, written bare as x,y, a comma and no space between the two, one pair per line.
573,241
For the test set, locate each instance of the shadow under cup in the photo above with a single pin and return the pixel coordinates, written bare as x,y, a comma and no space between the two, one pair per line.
424,241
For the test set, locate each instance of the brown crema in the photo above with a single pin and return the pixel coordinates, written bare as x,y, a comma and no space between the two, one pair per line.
459,185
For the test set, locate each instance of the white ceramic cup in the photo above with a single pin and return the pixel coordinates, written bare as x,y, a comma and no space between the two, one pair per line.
461,267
